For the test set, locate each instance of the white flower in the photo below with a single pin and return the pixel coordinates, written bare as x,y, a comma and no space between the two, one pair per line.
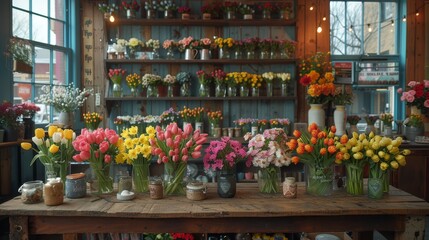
56,137
284,77
169,79
63,98
37,141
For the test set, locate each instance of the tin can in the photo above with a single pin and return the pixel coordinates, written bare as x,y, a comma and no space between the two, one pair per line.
76,185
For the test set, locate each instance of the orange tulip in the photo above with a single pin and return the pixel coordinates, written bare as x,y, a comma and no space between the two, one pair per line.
344,139
295,159
332,149
321,135
296,133
314,133
322,151
312,127
309,148
331,141
339,156
300,150
333,129
313,140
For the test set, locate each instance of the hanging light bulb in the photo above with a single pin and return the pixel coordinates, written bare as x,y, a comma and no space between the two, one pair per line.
111,18
404,19
351,28
417,13
369,28
392,23
324,18
311,8
319,29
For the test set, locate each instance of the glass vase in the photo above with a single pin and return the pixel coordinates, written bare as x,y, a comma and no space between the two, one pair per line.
214,130
203,90
170,54
244,91
52,170
140,175
354,180
232,91
266,14
170,90
152,91
117,90
269,179
238,54
250,54
269,89
155,53
226,184
185,89
134,92
102,183
174,172
255,92
377,181
264,54
319,179
224,53
284,89
220,90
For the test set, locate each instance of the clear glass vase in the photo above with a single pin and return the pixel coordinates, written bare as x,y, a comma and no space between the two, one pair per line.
224,53
269,179
140,176
152,91
174,172
117,90
170,53
155,53
134,92
220,90
185,89
354,173
269,89
319,179
244,91
284,89
255,92
265,54
250,54
232,91
203,90
170,90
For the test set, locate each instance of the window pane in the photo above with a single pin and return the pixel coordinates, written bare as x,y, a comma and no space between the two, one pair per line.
388,30
354,20
22,92
40,29
43,115
40,7
60,66
371,17
20,24
41,66
57,9
57,33
24,4
338,28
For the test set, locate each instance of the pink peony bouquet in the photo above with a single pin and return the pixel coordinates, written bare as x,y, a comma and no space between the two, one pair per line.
98,147
174,148
224,154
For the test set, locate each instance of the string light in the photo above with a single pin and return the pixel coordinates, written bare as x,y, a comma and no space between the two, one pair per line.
111,18
324,19
311,8
319,29
369,28
417,13
351,28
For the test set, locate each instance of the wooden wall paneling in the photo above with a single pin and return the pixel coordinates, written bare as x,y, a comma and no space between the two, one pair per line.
420,41
426,29
411,44
5,171
323,38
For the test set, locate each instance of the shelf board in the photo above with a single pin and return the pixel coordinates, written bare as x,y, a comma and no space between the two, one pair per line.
198,61
129,98
200,22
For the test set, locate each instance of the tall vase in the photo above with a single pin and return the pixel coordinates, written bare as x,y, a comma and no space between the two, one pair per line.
316,114
203,90
284,89
66,119
244,91
340,119
190,54
319,179
354,173
140,175
269,89
205,54
220,90
226,184
269,179
173,178
232,91
103,183
170,90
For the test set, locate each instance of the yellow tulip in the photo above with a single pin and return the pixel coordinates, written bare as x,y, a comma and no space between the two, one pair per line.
343,150
375,158
381,154
365,142
39,133
51,130
394,164
68,134
371,135
406,152
26,145
386,156
369,153
375,146
396,143
346,156
362,136
384,166
394,150
400,159
358,156
353,141
54,148
355,149
355,135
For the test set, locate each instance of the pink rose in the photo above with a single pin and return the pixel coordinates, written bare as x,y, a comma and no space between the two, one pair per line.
400,90
412,84
426,103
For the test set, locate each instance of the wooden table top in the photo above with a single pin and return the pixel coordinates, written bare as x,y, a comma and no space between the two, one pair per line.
248,202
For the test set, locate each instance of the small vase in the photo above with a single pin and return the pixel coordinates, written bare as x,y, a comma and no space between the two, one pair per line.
134,92
264,55
387,131
170,90
230,15
370,128
186,16
238,54
244,91
131,13
203,90
117,90
199,126
250,54
284,89
185,89
412,132
354,180
155,53
340,119
150,14
207,16
66,119
226,184
220,90
284,15
152,91
140,175
377,183
174,172
131,53
214,127
224,53
52,170
255,92
352,129
168,14
170,54
316,114
274,54
266,14
269,179
232,91
269,89
247,16
29,126
319,180
205,54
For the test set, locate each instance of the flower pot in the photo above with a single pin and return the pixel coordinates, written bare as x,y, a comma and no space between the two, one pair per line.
186,16
316,114
205,54
412,132
22,67
340,119
248,16
66,119
207,16
226,184
190,54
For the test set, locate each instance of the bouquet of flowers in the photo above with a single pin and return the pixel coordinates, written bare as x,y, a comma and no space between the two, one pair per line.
353,119
63,98
184,9
151,5
255,81
268,76
223,155
29,109
20,50
232,79
371,119
229,6
167,5
137,151
203,77
133,80
265,45
387,119
283,77
250,44
169,80
415,120
116,75
243,123
316,149
174,148
183,77
169,116
280,123
416,95
92,120
54,152
342,97
219,76
188,43
135,44
269,152
214,117
120,45
150,80
108,8
153,43
263,125
99,147
187,114
205,43
199,114
316,75
224,43
266,6
169,44
133,5
245,9
288,47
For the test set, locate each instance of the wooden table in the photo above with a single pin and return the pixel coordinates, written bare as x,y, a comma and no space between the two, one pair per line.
250,211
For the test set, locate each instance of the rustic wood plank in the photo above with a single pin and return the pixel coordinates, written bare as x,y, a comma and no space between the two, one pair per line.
18,228
5,170
414,229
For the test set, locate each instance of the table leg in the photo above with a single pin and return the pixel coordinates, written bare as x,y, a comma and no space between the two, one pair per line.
18,226
414,228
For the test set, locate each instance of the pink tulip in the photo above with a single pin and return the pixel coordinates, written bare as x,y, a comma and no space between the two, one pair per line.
201,141
196,154
178,138
185,151
84,146
84,155
176,151
157,151
167,134
160,136
104,146
90,138
185,158
196,134
152,142
77,158
170,153
189,143
175,158
188,129
174,128
107,158
165,159
169,142
198,148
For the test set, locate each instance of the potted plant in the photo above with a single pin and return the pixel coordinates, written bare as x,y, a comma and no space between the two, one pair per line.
22,53
185,11
9,115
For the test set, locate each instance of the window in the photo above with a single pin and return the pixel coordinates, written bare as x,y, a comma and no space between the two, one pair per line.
45,24
366,32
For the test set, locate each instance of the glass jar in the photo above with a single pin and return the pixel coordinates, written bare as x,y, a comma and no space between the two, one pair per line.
289,187
196,191
125,183
31,192
53,192
75,185
156,190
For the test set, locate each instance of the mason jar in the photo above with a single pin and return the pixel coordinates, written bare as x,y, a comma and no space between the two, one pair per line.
31,192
